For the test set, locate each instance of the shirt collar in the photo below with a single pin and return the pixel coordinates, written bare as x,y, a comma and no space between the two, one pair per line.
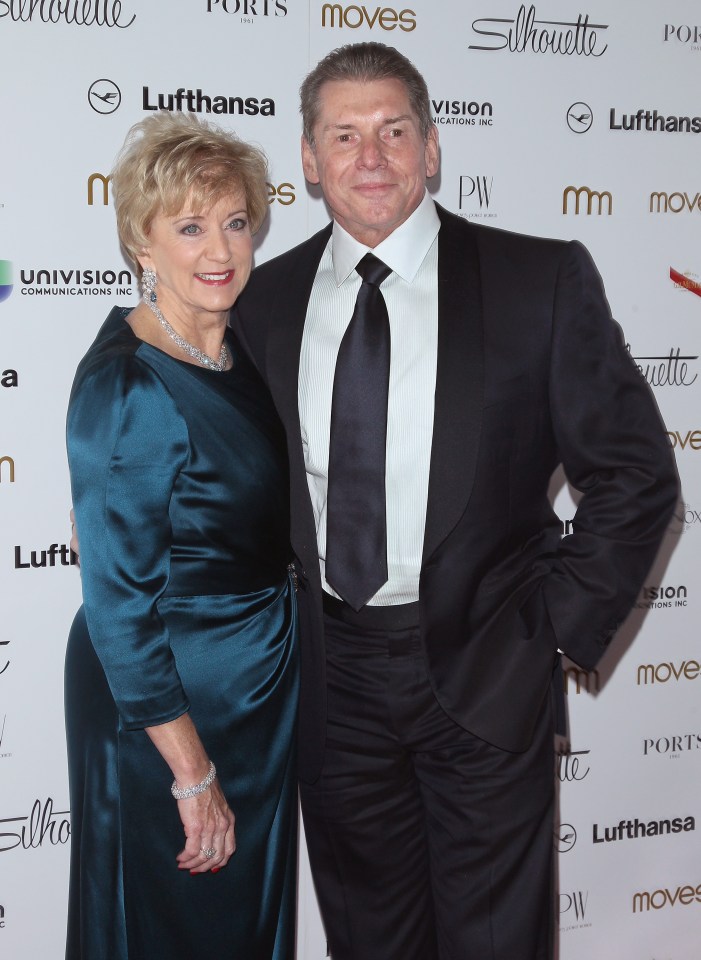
403,250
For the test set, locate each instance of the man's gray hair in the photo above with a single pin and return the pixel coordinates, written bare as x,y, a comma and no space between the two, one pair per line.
363,62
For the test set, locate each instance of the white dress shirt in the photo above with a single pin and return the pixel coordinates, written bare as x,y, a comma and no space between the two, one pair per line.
411,295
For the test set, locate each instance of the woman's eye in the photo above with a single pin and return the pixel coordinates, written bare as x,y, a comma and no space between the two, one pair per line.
191,229
238,223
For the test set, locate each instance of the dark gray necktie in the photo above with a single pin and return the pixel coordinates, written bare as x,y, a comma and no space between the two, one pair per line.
356,531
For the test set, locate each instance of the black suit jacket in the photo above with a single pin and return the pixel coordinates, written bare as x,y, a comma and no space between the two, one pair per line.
531,372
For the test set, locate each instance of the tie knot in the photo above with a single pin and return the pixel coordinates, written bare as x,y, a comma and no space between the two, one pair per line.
373,270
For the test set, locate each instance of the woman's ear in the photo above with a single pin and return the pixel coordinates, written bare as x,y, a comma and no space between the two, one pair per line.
144,259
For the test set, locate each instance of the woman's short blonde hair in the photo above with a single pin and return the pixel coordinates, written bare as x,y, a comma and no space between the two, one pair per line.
170,159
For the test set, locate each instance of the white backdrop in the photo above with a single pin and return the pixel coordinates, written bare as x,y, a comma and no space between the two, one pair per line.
529,101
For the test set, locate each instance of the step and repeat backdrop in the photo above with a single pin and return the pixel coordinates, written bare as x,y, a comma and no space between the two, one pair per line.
556,118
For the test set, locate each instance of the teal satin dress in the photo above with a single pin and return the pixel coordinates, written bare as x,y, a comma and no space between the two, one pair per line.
179,480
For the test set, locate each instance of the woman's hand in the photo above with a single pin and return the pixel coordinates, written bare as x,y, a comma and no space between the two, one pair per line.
209,825
74,545
207,820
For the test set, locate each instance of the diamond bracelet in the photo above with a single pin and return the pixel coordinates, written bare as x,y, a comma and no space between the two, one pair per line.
186,792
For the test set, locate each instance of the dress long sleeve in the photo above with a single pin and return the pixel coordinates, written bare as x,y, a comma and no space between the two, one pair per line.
127,442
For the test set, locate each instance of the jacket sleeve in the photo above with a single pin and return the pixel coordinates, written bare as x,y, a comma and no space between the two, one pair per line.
614,450
127,442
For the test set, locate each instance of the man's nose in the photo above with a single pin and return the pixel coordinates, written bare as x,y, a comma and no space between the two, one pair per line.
371,154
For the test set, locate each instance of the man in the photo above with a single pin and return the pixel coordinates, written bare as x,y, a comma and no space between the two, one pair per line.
426,722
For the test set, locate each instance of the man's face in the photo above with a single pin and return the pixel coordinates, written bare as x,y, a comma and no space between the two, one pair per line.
369,156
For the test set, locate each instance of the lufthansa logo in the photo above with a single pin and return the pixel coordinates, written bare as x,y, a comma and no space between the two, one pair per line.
580,117
565,838
104,96
641,829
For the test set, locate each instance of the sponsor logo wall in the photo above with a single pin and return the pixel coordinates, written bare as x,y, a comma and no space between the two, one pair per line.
569,121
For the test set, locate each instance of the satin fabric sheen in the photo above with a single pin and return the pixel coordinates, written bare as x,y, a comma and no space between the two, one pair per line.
179,483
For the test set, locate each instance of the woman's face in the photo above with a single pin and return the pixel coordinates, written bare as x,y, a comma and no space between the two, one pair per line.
202,260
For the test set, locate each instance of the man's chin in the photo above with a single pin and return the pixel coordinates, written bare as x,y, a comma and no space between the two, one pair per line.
376,219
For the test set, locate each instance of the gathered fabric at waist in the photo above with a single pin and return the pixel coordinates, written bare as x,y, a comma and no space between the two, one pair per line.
190,577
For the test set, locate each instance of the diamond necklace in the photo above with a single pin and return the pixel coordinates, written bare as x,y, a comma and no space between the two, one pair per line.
218,365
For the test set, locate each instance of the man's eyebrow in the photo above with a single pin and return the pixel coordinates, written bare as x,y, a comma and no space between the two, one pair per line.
387,122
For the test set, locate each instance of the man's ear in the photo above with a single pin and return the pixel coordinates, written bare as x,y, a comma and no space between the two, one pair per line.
309,162
432,152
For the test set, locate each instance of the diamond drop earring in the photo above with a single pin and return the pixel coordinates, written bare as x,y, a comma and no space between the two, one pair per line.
148,285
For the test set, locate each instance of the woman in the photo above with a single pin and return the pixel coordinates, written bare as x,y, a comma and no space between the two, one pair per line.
178,472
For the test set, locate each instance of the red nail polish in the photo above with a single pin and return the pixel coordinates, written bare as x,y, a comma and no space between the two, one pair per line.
193,873
215,869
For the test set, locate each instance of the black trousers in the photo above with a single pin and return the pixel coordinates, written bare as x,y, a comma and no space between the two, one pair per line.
425,842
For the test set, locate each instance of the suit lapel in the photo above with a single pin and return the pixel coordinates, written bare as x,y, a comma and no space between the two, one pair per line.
283,355
290,311
459,380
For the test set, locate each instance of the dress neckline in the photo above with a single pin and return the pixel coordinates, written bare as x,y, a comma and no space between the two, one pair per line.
178,360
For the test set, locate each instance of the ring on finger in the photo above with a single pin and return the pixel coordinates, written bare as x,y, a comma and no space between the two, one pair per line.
208,852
